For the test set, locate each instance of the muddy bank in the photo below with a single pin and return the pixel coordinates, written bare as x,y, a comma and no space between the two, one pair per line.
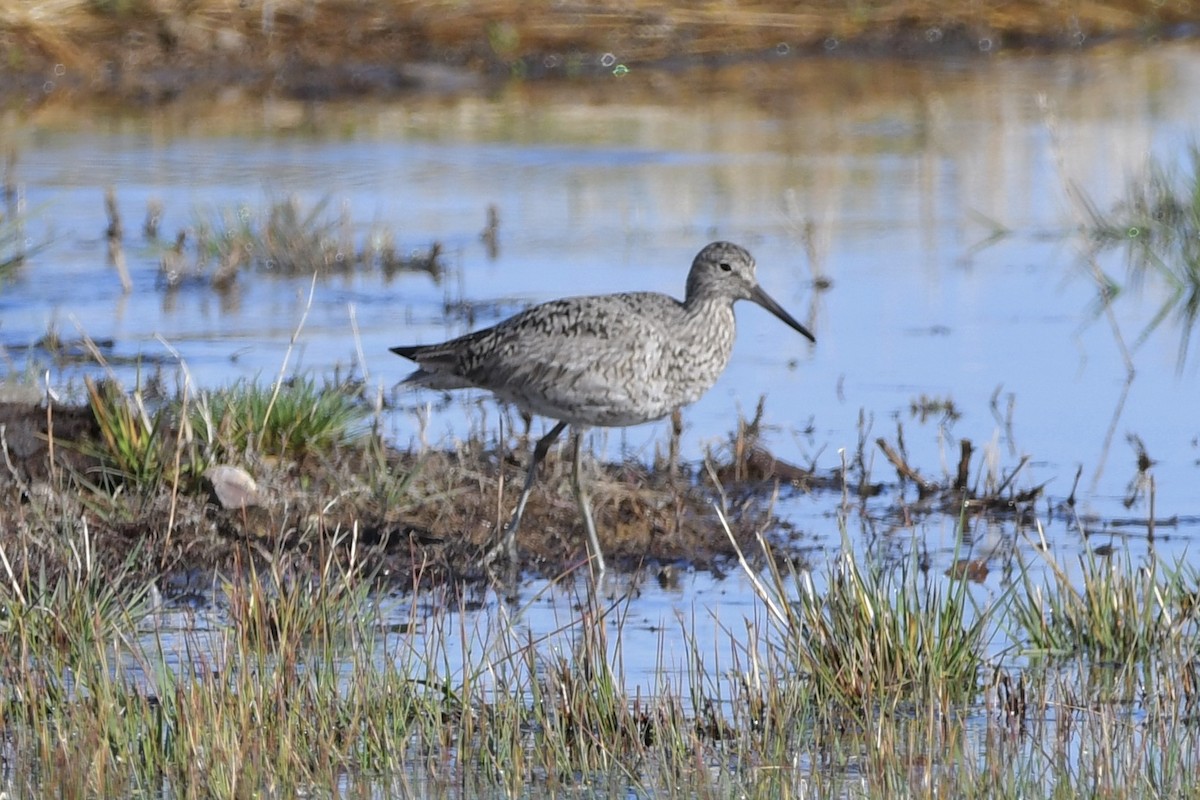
147,52
411,518
408,517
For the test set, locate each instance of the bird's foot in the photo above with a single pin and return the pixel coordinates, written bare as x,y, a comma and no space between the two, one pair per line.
500,563
503,550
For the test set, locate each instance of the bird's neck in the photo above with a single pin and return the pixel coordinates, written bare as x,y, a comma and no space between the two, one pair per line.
705,304
710,323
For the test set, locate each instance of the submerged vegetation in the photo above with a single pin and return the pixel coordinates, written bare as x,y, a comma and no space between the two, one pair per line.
285,239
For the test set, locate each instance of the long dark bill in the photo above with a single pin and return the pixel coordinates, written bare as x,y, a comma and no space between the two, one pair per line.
758,295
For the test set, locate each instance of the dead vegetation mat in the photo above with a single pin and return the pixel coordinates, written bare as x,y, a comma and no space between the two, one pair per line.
407,518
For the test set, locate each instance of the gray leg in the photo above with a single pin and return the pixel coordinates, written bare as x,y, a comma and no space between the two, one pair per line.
585,507
509,540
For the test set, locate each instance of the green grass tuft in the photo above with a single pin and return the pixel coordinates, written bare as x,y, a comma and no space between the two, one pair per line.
880,638
137,447
1114,611
294,418
888,636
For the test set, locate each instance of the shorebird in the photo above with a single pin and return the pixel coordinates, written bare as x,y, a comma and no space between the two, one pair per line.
604,360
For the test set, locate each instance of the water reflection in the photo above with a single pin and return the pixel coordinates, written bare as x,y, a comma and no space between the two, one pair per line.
1157,226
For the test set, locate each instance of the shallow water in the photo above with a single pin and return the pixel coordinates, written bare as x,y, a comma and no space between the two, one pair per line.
932,196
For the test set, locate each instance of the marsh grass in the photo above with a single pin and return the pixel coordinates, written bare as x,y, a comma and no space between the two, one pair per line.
285,238
301,453
1109,694
312,681
276,698
881,638
1114,611
58,660
888,664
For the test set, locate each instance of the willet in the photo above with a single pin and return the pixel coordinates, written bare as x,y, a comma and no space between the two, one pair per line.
605,360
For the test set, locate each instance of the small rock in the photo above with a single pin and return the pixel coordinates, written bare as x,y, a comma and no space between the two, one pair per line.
234,487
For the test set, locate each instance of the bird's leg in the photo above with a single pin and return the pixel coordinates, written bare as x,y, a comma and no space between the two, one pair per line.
585,506
508,542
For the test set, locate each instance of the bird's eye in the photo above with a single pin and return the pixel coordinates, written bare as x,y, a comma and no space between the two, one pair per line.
725,266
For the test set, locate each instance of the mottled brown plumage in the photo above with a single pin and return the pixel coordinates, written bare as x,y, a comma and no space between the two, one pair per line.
605,360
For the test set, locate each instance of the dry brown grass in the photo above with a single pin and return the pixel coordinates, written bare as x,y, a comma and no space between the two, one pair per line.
256,40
